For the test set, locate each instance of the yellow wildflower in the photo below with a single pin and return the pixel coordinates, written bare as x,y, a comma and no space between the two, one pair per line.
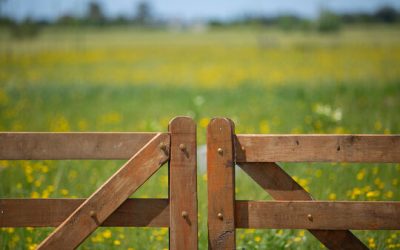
107,234
372,194
361,174
204,122
389,194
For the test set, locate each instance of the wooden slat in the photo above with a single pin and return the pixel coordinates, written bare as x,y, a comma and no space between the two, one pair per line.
221,185
62,146
106,199
281,186
52,212
339,215
318,148
183,184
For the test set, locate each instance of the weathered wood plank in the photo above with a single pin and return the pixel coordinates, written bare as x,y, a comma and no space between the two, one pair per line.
318,148
183,184
106,199
52,212
327,215
281,186
63,146
221,185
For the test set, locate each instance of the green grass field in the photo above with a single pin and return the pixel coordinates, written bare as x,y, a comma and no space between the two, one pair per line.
266,81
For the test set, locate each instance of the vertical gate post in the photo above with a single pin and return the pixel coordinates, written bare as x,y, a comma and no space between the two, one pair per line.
183,184
221,184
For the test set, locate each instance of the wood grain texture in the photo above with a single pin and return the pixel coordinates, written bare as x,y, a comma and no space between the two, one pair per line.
327,215
63,146
52,212
221,184
106,199
318,148
273,179
183,184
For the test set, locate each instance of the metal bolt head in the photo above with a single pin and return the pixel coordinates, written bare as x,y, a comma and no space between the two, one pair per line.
220,151
185,214
163,146
309,216
182,147
220,216
92,214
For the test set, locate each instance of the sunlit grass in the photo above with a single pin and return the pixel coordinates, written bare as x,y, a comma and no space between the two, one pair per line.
266,81
229,58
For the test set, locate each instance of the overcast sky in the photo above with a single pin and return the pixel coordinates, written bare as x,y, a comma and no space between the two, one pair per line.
189,9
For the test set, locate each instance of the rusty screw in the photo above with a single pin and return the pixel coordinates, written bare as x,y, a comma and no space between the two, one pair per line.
185,214
309,216
220,151
220,216
182,147
92,214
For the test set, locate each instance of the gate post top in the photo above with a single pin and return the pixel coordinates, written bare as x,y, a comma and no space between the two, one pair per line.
222,122
182,124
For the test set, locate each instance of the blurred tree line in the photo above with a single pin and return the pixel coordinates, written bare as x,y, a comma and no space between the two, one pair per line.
94,16
327,21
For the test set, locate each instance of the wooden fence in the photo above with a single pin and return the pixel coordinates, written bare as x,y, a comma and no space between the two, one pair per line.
109,205
294,208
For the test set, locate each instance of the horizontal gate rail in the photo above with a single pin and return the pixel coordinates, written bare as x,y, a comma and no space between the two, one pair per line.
318,148
71,146
338,215
51,212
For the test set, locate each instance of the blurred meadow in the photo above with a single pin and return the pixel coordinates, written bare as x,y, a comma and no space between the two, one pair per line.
268,80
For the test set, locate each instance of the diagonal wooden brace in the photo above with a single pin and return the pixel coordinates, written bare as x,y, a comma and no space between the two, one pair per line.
273,179
106,199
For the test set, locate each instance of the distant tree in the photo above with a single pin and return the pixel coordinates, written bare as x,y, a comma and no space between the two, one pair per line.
387,14
27,29
359,17
329,21
95,13
67,20
120,20
288,22
4,21
144,13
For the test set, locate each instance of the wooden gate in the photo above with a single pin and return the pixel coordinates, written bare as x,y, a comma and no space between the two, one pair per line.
257,155
76,219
